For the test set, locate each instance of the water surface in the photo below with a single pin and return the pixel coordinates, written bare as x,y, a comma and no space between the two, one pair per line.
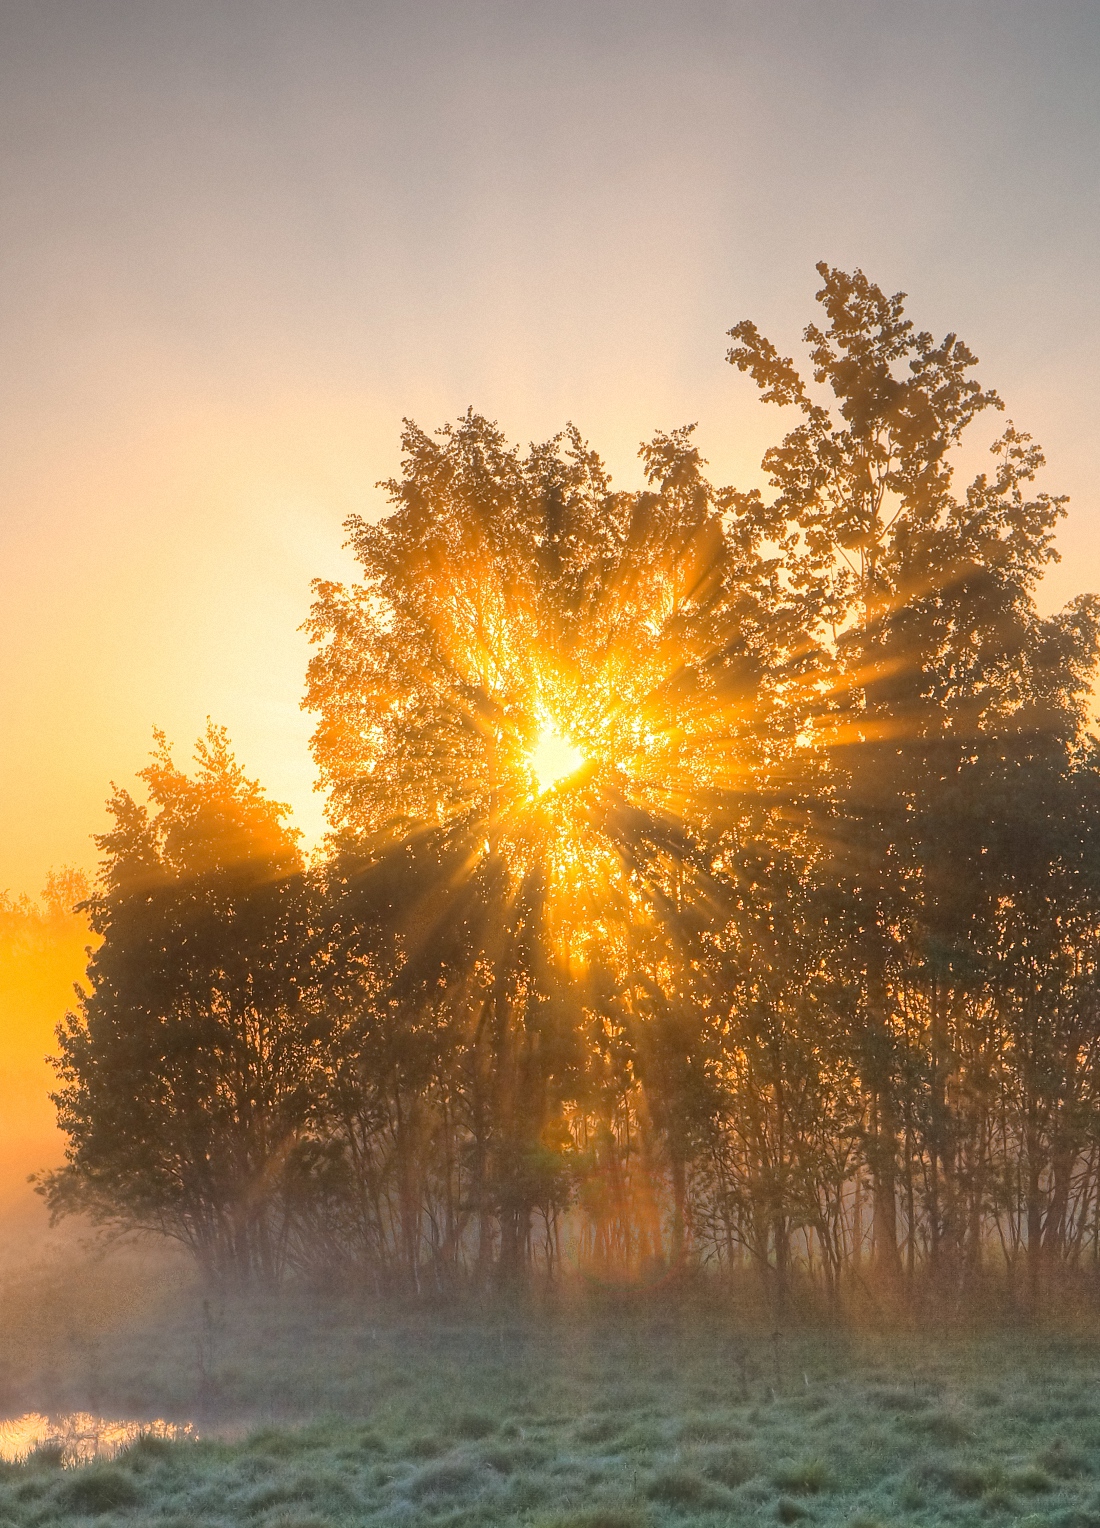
80,1435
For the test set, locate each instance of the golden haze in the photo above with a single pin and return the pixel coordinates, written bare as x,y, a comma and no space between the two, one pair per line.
42,954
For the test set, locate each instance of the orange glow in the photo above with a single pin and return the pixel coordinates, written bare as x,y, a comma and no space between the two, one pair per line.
80,1435
43,951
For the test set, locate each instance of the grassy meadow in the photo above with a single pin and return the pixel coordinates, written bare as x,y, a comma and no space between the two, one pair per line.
606,1411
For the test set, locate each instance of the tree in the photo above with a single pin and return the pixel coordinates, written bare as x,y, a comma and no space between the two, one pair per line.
512,599
711,878
186,1071
939,663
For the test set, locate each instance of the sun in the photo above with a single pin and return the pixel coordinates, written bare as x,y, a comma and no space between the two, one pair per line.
553,757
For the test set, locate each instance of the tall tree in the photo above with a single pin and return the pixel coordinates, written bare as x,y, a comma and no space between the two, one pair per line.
186,1071
513,605
939,660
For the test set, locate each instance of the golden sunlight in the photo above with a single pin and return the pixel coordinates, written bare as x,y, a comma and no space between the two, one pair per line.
553,757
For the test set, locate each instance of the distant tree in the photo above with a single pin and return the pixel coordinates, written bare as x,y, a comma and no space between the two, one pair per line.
186,1072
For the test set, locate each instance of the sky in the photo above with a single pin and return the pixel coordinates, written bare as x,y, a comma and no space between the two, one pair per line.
240,240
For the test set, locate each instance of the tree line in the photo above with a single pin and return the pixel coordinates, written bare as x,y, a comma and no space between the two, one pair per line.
794,973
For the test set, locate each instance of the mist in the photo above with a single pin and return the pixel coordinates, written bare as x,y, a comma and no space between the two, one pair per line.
549,784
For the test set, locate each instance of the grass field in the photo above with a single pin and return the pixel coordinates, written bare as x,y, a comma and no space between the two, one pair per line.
609,1412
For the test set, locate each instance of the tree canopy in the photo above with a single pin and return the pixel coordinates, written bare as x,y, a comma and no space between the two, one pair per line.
711,879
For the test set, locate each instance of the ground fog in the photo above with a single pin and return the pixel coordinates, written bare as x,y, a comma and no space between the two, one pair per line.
603,1409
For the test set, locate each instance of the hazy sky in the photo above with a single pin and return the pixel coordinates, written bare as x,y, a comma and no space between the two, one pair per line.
241,240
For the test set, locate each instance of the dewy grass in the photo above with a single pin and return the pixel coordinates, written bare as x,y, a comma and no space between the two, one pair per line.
320,1413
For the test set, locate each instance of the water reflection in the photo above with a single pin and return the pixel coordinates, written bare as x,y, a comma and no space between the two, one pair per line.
79,1435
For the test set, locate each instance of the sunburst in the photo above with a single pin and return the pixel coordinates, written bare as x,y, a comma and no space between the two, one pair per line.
554,757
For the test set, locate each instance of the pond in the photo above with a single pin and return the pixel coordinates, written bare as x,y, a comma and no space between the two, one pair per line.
79,1435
